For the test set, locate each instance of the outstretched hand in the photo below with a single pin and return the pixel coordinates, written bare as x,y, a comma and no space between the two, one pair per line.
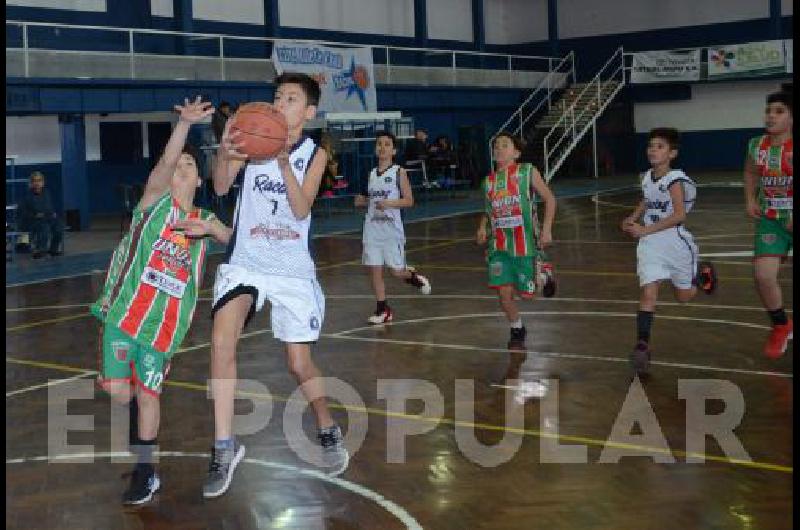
195,111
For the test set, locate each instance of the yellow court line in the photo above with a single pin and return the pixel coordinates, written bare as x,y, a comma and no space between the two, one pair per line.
45,322
466,424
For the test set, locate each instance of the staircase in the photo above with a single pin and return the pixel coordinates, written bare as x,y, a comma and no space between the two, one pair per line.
552,132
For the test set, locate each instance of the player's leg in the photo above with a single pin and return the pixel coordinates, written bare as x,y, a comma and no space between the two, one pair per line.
298,309
383,313
517,332
372,257
117,351
150,371
395,257
772,244
229,320
640,357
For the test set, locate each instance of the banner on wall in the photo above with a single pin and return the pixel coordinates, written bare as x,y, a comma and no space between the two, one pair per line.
788,52
664,66
752,58
345,75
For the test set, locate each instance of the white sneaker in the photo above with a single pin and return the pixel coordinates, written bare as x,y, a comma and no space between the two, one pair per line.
381,318
419,281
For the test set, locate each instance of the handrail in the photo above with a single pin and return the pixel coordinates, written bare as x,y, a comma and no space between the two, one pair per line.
595,84
272,39
545,84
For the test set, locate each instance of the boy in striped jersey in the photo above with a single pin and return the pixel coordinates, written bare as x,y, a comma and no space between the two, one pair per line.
151,291
769,194
515,243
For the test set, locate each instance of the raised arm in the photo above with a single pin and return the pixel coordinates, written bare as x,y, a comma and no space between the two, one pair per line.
228,160
160,178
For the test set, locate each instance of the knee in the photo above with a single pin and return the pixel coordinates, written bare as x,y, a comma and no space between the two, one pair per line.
684,295
764,277
398,273
298,365
120,392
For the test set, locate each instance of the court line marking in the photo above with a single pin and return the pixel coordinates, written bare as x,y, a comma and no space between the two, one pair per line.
393,508
558,355
45,322
488,427
67,276
451,297
572,313
50,383
734,254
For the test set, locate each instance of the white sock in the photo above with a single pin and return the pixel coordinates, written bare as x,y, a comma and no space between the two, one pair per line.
517,323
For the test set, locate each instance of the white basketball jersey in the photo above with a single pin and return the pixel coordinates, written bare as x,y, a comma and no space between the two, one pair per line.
266,236
383,224
658,201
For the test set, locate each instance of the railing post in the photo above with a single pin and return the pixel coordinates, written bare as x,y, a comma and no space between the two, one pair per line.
388,67
572,60
510,74
25,49
549,81
453,66
546,162
221,59
130,54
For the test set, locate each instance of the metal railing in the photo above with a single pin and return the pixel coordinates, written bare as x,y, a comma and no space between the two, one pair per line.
35,49
582,113
556,79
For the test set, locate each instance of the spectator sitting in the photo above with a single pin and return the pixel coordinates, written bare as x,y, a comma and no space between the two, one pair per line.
417,147
38,217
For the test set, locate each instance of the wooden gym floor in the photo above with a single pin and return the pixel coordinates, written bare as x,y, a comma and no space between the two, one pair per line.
580,340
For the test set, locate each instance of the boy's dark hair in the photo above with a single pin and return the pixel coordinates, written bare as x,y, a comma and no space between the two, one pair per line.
519,145
668,134
307,83
389,135
192,151
787,98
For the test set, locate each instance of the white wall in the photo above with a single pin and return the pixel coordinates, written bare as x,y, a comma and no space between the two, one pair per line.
70,5
37,140
34,139
714,106
382,17
787,7
586,18
515,21
240,11
449,19
161,8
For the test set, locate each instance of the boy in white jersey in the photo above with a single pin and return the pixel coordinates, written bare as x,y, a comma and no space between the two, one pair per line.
268,257
666,250
387,190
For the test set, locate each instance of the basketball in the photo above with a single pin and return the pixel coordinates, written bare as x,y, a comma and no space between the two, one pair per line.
263,130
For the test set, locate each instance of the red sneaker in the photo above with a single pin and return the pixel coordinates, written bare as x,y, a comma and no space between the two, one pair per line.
778,340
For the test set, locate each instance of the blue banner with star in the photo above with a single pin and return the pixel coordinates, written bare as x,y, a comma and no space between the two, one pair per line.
345,75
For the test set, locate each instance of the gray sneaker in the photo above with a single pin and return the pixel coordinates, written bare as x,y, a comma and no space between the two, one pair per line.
334,454
220,470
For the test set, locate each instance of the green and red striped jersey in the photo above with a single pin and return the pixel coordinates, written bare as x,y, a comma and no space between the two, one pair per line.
154,277
511,209
775,172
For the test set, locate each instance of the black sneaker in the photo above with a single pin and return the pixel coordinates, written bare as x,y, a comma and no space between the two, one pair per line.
640,357
517,339
144,483
706,277
549,280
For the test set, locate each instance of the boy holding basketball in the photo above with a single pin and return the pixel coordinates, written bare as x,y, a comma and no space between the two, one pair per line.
387,190
666,249
769,194
268,258
151,289
515,243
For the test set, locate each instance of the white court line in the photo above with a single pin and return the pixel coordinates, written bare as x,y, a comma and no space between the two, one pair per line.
471,297
560,355
54,382
394,509
571,313
722,236
734,254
